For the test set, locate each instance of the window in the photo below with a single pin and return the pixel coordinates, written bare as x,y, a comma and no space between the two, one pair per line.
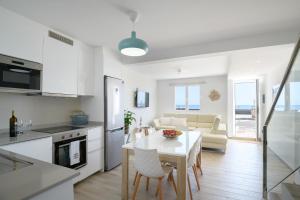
187,97
180,96
194,97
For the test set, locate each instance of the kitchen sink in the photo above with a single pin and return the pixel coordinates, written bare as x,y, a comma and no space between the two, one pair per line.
10,164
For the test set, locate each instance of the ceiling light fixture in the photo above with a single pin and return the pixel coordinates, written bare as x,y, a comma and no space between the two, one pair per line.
133,46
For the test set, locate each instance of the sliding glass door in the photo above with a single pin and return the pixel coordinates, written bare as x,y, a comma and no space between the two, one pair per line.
246,109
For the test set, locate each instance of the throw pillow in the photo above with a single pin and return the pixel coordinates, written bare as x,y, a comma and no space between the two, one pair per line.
216,124
179,122
165,120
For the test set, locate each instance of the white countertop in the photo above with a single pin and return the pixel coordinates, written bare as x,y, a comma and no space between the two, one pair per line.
33,135
32,180
179,146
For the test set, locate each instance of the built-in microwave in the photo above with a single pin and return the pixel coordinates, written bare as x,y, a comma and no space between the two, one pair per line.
18,75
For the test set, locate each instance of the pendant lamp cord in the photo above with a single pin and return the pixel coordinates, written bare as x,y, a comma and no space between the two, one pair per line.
133,26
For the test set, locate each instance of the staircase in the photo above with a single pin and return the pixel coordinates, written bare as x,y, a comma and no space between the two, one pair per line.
281,138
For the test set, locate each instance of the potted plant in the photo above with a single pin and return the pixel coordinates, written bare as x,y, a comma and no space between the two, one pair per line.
128,120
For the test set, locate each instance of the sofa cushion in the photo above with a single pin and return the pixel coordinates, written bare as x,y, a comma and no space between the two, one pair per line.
181,122
166,127
214,138
165,121
192,124
189,117
206,118
204,125
192,117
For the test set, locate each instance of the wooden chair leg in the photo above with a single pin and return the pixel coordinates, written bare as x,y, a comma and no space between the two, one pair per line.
136,186
173,182
136,174
169,178
160,189
189,184
147,183
199,163
157,189
196,176
159,184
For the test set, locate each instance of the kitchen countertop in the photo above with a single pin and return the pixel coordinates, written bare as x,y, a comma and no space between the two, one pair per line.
33,179
33,135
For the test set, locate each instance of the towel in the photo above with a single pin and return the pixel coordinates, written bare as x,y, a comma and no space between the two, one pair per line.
74,152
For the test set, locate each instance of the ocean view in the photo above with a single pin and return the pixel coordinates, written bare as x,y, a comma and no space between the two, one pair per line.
190,107
278,107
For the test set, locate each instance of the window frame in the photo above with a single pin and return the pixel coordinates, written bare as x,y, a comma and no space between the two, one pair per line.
186,86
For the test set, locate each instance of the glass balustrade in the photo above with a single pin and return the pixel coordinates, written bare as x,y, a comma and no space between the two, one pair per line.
282,133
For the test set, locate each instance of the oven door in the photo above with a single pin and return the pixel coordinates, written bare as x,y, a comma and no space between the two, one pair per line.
62,153
19,75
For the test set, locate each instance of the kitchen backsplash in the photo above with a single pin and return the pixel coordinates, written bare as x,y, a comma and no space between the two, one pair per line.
39,109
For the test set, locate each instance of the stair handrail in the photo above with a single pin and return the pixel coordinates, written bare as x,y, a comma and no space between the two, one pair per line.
283,82
269,117
284,179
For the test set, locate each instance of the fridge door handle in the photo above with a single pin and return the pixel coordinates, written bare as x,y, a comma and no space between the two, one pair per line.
115,129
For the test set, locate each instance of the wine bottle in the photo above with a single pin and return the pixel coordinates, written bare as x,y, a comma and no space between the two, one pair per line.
13,125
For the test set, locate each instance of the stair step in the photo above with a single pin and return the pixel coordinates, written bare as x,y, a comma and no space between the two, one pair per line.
274,196
290,191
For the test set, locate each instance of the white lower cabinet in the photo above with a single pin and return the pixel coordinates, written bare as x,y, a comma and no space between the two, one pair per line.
40,149
95,154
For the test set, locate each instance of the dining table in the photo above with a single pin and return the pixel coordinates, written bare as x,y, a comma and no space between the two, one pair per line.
175,150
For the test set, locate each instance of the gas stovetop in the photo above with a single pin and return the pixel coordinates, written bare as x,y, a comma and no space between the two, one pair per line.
57,129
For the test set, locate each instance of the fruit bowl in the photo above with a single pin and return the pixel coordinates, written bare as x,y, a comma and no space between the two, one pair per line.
171,133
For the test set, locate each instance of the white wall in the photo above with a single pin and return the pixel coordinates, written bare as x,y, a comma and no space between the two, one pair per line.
39,109
273,78
134,80
108,63
166,95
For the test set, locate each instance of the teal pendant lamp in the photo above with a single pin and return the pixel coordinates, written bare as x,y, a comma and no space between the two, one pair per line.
133,46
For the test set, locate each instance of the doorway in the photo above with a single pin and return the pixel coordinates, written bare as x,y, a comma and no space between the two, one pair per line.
246,109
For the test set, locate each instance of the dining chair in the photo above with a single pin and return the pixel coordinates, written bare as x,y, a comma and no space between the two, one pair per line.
191,163
199,156
147,164
136,133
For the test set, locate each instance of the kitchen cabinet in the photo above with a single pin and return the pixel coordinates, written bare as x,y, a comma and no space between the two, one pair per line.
40,149
21,37
95,151
86,70
60,61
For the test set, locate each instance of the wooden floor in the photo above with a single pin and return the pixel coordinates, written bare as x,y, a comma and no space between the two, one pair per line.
234,175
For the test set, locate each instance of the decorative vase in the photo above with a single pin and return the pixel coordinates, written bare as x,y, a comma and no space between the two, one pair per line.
126,131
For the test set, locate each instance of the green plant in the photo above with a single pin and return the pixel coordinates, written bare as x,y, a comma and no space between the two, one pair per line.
128,119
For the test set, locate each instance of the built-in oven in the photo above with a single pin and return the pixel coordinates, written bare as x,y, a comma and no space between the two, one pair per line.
62,154
18,75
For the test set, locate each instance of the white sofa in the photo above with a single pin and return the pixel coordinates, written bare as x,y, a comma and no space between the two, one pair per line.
214,132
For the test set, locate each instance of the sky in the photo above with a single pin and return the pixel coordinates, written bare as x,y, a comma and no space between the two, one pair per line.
245,93
193,92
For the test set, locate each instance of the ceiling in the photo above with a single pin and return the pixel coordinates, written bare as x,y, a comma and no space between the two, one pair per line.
167,25
184,67
240,64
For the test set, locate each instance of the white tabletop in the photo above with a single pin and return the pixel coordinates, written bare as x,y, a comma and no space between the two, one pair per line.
179,146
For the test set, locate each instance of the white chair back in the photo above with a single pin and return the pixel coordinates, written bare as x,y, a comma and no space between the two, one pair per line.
193,153
147,163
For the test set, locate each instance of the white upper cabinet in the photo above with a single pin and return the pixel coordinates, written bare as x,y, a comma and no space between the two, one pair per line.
20,37
86,70
60,66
